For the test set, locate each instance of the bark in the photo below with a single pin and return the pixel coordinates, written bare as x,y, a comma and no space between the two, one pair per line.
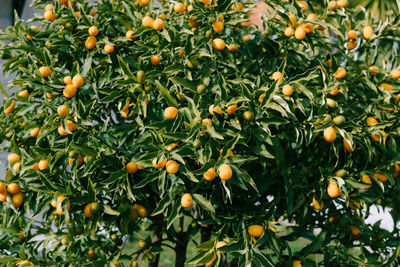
181,245
205,233
156,236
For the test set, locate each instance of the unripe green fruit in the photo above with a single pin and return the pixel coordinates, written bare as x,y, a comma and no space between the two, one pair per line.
338,120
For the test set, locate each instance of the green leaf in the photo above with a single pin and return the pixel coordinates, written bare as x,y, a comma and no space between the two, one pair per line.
204,202
171,101
110,211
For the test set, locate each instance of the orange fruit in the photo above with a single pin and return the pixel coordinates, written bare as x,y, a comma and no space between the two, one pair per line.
193,23
66,2
277,76
367,32
50,95
24,93
330,134
179,8
91,255
61,130
129,35
159,165
386,86
3,188
144,2
49,15
372,68
334,91
352,34
308,27
204,122
87,211
347,147
261,98
354,230
333,189
371,121
158,24
69,91
63,111
155,60
13,188
77,81
36,167
287,90
218,44
255,230
288,32
377,138
210,174
49,7
13,157
186,200
16,166
237,6
230,153
17,199
231,109
142,211
332,5
300,33
67,80
395,74
303,5
246,38
163,16
171,146
90,42
171,112
217,110
147,21
381,177
93,31
296,264
45,71
312,16
318,205
366,179
131,167
218,26
172,167
109,48
225,172
352,45
340,73
10,108
3,197
43,164
342,3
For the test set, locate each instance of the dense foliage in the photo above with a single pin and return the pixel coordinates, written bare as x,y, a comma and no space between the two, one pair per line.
179,122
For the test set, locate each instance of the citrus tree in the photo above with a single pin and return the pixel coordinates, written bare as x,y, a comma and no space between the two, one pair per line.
180,125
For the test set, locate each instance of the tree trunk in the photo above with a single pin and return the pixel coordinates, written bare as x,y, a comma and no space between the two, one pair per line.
181,245
205,233
155,238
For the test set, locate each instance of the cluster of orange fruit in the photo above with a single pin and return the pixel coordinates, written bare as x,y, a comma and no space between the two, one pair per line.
17,197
